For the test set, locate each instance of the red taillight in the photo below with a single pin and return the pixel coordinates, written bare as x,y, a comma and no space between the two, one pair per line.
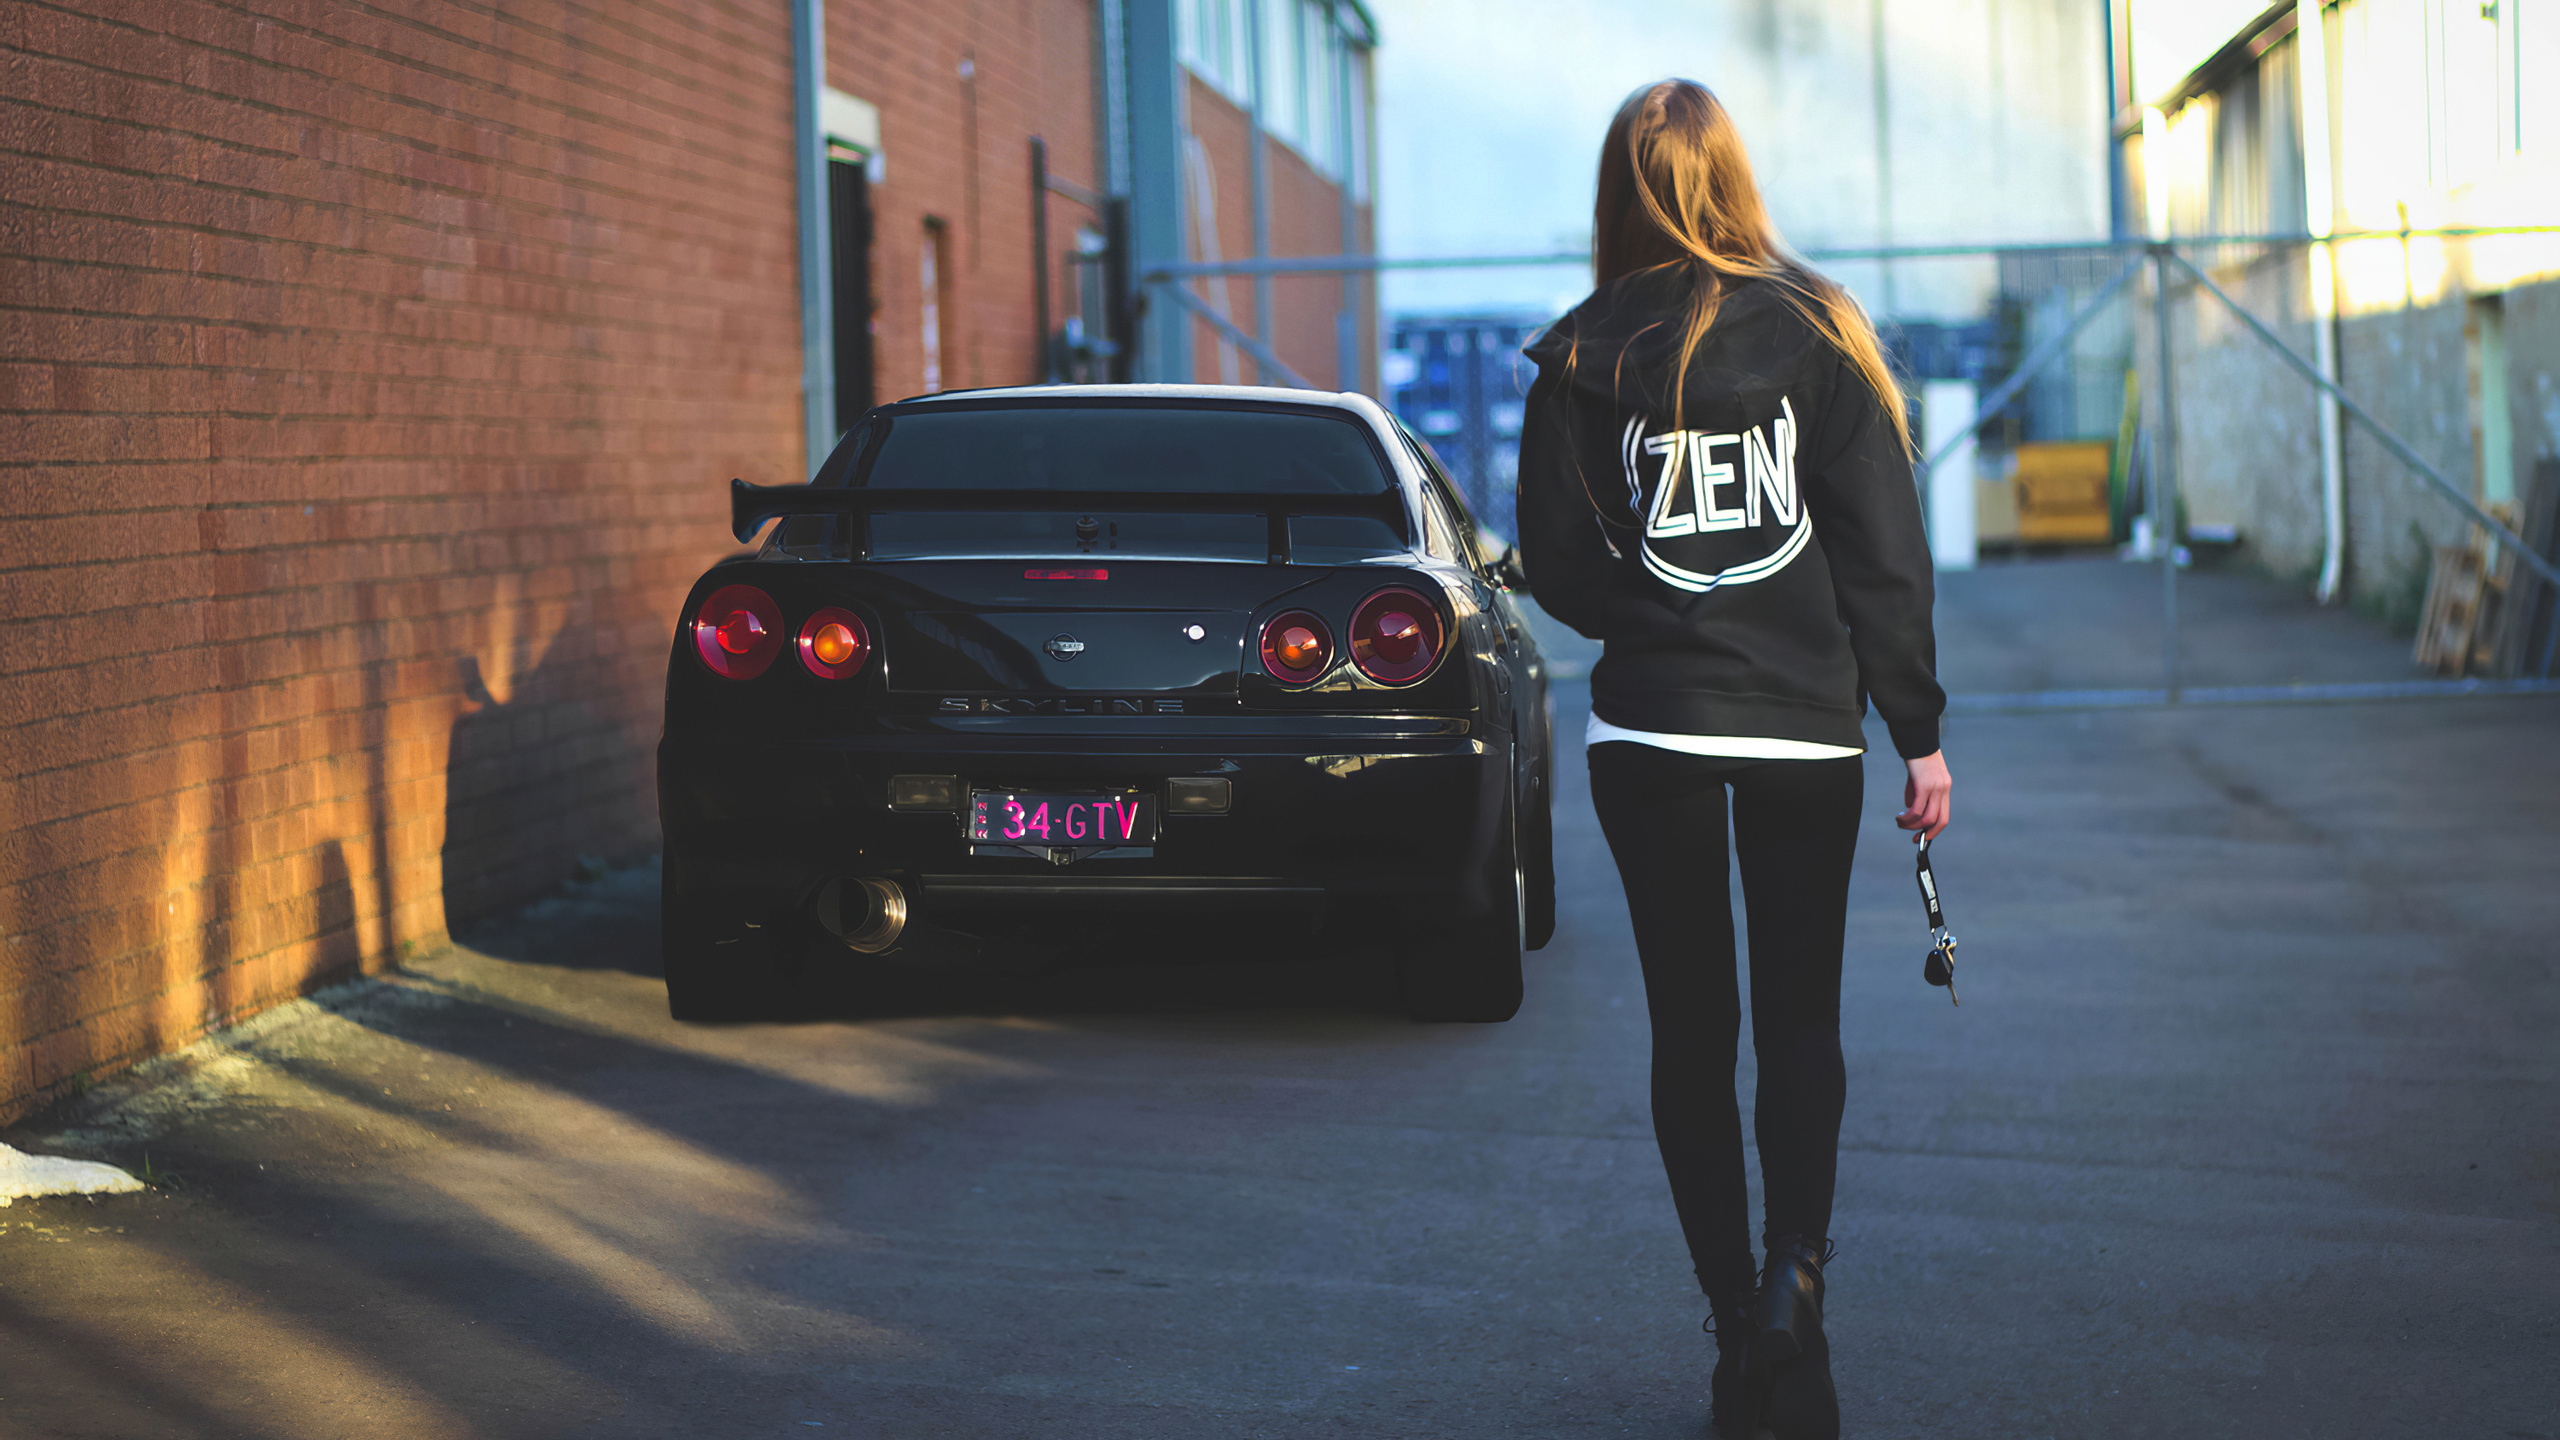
834,643
1395,636
738,631
1066,574
1296,648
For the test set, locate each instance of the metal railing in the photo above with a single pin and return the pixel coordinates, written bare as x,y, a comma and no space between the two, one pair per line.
2164,256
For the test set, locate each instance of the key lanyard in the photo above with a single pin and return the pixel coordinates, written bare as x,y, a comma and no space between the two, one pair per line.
1940,967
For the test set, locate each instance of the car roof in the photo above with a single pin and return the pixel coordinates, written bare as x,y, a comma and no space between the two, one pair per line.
1246,395
1271,394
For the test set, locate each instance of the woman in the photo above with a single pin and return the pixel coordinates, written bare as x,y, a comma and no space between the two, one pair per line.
1716,481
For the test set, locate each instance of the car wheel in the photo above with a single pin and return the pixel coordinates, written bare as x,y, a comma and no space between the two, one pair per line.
715,976
1470,971
1538,858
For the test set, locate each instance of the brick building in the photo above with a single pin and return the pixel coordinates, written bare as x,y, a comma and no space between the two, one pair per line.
369,378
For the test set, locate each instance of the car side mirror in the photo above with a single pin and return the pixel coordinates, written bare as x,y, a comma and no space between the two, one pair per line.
1511,572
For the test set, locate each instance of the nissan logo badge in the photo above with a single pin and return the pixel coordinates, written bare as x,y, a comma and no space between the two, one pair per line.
1064,647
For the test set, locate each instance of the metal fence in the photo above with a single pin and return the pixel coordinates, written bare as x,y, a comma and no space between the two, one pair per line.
2089,345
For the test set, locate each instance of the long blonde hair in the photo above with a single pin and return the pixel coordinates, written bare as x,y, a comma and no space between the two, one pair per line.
1676,189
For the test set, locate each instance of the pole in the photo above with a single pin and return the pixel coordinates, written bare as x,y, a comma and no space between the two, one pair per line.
2319,216
817,260
2164,478
1118,302
1043,357
2118,226
1156,88
1346,320
1157,274
1258,143
1880,84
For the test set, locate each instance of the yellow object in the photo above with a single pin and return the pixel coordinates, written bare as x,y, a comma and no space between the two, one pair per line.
2062,492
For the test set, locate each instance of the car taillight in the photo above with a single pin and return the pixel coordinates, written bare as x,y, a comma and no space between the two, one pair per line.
1296,648
1395,636
834,643
738,631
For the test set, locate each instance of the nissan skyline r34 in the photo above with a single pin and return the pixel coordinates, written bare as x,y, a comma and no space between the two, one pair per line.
1093,671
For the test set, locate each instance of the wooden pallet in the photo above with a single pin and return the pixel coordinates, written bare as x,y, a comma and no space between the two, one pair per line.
2459,625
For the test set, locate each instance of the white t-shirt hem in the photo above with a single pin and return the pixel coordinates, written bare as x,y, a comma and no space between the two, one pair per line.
1738,747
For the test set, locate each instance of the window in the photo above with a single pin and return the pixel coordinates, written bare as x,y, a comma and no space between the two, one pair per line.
849,218
2533,43
1308,61
1320,57
1284,100
1214,45
937,282
1355,141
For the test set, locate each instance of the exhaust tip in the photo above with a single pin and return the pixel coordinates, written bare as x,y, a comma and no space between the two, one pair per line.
867,914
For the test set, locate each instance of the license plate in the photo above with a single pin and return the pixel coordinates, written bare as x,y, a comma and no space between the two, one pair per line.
1005,817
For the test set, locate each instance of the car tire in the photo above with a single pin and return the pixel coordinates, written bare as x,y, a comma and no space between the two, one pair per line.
1469,972
714,978
1538,855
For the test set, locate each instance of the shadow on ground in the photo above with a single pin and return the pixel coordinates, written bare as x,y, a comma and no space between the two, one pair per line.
495,1183
612,924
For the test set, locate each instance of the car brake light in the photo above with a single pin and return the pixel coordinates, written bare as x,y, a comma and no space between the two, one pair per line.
834,643
1066,574
1296,648
738,631
1395,636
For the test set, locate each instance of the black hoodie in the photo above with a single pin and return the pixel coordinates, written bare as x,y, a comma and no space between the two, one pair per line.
1756,568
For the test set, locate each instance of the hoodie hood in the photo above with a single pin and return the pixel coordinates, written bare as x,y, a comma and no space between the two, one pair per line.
1624,338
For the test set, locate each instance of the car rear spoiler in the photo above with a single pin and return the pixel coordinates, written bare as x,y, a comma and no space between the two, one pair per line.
752,505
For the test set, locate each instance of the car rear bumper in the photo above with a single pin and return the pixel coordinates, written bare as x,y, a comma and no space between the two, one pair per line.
1330,832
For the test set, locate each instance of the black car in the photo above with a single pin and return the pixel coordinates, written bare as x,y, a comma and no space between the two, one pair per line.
1107,672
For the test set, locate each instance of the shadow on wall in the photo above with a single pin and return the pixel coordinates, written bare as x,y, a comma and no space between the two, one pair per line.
539,786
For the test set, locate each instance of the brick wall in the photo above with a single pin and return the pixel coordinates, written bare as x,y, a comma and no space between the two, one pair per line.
368,377
2248,449
957,150
2248,433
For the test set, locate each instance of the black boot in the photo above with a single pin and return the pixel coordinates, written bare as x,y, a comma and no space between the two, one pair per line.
1735,1392
1788,1349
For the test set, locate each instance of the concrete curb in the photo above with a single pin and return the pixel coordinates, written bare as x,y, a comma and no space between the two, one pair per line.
2031,700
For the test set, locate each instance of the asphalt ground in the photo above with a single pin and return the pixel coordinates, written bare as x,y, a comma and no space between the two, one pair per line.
2249,1125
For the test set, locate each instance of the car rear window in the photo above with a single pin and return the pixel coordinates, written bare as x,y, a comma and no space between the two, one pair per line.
1116,447
1127,447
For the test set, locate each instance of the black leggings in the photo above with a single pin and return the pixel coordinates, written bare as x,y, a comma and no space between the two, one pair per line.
1795,824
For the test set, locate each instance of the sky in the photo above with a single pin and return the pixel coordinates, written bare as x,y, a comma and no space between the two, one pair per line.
1490,114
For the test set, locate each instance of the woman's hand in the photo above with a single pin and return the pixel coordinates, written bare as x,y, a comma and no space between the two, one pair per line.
1924,795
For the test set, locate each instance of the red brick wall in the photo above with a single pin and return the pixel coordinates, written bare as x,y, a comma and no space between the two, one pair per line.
1306,219
367,385
957,149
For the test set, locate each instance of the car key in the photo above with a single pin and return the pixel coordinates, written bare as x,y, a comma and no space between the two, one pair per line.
1940,966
